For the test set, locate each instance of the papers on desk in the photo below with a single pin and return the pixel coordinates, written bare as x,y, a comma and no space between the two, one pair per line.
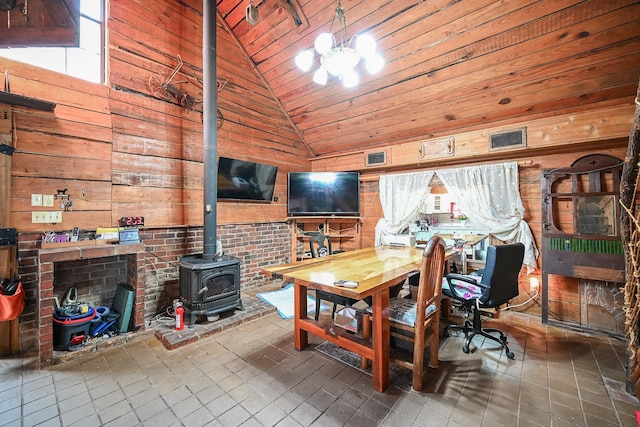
282,300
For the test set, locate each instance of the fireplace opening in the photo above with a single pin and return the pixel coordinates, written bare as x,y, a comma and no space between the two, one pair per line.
209,286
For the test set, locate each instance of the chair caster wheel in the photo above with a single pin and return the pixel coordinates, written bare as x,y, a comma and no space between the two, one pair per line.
510,355
465,349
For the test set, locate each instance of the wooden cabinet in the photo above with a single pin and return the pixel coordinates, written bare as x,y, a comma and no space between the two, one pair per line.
437,203
344,232
581,216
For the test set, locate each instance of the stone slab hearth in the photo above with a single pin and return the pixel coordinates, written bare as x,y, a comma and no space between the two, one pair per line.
254,308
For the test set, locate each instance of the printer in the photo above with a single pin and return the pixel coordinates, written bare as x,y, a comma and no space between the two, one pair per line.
404,240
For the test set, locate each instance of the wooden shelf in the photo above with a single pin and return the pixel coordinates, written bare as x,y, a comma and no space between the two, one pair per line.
347,238
25,101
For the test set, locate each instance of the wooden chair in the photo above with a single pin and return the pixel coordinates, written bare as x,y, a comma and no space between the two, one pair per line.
418,321
320,246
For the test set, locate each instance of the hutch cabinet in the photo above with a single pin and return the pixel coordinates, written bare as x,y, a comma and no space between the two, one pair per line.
581,222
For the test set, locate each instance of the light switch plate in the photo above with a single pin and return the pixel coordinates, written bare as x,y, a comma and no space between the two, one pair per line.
52,217
36,200
47,200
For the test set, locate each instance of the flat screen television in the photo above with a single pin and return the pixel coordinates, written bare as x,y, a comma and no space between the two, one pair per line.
324,193
244,180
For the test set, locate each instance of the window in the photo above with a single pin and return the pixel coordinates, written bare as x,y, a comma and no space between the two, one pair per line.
86,62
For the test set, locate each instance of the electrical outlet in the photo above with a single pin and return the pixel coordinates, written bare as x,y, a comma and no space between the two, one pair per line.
534,284
47,200
36,200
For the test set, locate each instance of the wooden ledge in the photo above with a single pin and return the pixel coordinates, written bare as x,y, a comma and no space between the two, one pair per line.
84,252
25,101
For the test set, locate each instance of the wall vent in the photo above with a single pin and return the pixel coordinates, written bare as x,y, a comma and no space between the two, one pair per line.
376,158
510,139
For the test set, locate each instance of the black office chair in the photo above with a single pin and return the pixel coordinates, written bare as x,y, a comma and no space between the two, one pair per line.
497,285
320,246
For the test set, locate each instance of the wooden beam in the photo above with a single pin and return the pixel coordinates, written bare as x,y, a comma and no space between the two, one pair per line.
293,8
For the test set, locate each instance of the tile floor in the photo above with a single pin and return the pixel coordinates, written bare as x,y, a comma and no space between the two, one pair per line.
251,375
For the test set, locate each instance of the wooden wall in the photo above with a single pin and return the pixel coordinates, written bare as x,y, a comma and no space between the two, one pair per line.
129,148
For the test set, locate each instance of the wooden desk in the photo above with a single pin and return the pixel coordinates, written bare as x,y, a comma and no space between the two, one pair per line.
376,270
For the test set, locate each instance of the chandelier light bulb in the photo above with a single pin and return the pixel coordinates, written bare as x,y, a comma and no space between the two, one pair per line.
320,76
304,60
374,63
323,43
350,78
366,45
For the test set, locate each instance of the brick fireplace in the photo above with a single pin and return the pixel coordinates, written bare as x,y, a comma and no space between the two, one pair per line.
47,259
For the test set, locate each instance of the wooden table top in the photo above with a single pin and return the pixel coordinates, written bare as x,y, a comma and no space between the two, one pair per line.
370,267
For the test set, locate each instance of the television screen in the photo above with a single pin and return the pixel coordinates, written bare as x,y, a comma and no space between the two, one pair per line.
243,180
324,193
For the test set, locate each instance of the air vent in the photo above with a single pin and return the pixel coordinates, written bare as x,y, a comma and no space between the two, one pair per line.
377,158
511,139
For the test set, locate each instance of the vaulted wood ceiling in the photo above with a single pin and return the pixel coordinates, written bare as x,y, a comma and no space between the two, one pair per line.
39,23
451,66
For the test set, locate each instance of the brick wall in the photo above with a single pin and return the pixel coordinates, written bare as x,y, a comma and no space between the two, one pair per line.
256,245
95,279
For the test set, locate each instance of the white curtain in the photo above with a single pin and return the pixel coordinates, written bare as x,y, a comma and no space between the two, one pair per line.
490,196
401,196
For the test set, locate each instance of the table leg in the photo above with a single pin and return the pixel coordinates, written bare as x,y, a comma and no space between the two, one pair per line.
300,314
381,340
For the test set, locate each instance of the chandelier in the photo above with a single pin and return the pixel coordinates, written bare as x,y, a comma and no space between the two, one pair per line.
337,57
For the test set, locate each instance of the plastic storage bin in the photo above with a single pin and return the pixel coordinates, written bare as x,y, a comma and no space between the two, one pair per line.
71,333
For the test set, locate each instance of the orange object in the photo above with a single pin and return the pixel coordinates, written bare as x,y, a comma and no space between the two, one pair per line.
11,306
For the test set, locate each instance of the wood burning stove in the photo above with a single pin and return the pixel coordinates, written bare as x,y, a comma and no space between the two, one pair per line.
209,285
209,282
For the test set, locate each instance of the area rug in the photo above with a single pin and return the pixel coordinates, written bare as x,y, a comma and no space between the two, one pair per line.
282,300
399,377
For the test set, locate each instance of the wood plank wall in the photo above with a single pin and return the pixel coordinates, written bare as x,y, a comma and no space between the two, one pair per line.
130,149
157,153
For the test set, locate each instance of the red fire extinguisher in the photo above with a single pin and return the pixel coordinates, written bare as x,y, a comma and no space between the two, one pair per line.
179,317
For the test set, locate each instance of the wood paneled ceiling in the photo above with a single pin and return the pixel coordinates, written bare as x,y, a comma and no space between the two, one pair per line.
451,66
39,23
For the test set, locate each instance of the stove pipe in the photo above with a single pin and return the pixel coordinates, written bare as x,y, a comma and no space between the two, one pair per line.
210,105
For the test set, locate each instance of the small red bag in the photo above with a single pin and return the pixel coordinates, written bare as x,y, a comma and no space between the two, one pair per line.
11,306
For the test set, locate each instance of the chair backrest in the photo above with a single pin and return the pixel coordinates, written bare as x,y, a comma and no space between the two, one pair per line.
502,268
431,273
320,246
